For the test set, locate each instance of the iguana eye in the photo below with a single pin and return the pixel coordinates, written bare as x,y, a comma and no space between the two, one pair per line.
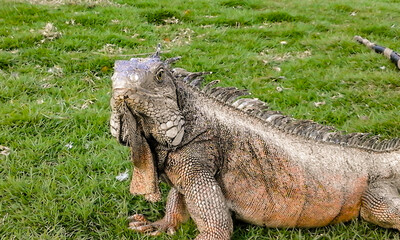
159,75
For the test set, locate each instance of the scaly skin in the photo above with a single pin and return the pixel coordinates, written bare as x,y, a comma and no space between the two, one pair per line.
223,158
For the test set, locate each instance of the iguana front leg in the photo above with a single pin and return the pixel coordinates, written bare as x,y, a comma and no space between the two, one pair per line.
381,204
175,214
207,207
194,190
203,196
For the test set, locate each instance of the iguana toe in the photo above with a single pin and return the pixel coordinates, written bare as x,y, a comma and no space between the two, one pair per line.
137,218
139,223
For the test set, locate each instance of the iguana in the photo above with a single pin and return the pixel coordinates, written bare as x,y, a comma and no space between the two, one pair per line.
229,157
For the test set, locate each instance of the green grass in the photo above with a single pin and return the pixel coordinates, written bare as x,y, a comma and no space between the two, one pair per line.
55,92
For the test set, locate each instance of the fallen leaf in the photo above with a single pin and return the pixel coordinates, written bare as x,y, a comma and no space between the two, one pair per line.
122,176
317,104
5,151
86,104
56,71
47,85
69,145
70,22
183,37
104,69
337,96
111,49
49,32
277,78
172,20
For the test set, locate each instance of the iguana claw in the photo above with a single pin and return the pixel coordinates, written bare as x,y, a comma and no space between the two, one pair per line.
139,223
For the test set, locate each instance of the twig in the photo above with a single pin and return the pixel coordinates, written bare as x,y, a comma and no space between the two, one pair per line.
54,117
387,52
130,55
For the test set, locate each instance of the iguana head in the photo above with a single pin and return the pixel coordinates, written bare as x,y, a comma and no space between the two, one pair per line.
147,88
145,109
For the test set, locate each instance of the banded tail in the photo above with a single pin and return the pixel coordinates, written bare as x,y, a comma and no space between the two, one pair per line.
387,52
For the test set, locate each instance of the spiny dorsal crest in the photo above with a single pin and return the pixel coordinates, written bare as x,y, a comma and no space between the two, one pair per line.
305,128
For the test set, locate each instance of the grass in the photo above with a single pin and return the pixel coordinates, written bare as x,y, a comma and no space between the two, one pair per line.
58,181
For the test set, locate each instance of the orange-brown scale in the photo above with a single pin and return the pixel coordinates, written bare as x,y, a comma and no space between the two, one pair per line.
264,186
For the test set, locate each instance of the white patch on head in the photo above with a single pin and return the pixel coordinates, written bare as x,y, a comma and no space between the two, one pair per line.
134,77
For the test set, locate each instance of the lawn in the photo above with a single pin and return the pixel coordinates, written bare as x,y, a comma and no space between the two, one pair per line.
58,161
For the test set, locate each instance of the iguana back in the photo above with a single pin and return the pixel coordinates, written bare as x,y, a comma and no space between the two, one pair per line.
282,172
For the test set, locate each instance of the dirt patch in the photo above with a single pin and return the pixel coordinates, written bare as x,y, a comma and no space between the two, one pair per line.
49,32
69,2
269,56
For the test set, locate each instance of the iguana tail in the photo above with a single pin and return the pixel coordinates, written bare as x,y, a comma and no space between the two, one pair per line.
387,52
